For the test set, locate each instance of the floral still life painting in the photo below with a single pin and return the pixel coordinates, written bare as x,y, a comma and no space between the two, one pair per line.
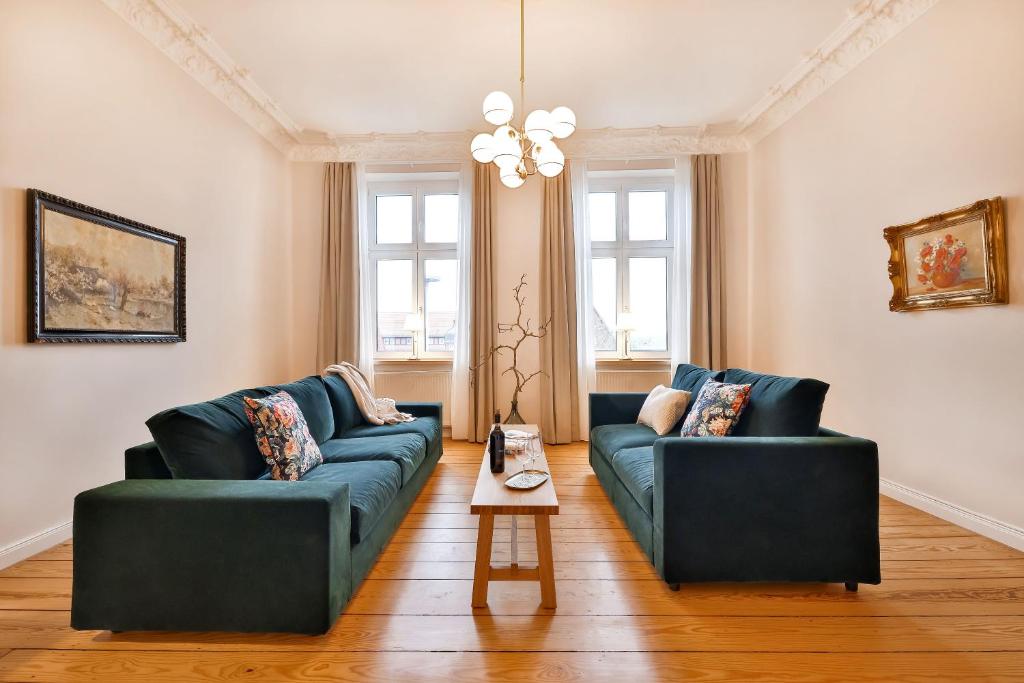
957,258
101,278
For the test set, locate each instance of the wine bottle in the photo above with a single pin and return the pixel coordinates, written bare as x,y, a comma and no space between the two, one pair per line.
496,446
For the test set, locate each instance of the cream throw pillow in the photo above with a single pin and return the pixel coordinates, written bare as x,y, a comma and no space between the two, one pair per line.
663,408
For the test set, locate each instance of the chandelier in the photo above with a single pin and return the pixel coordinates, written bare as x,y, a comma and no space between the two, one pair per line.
521,151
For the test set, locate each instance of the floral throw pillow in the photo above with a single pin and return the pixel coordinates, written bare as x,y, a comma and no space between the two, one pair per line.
282,436
717,409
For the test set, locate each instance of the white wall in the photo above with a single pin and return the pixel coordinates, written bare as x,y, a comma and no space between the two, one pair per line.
307,198
91,111
932,121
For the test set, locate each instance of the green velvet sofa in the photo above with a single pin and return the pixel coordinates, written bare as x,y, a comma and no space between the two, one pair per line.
781,499
198,538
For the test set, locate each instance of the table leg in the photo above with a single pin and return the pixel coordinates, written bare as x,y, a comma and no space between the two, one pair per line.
481,573
545,561
515,541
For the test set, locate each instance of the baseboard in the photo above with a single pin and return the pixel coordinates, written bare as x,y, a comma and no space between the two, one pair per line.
16,552
975,521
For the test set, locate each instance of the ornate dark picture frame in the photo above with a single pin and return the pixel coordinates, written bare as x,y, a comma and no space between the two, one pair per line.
89,286
952,259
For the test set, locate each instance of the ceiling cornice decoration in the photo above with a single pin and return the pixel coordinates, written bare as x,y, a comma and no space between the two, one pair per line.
188,45
605,143
871,23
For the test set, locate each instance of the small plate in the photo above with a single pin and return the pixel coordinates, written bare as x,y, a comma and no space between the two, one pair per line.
527,479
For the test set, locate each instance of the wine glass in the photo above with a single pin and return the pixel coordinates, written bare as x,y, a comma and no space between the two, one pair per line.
530,452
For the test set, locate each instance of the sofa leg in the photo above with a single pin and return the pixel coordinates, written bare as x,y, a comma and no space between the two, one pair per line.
851,586
673,586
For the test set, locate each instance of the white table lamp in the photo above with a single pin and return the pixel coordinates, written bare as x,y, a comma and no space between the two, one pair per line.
414,324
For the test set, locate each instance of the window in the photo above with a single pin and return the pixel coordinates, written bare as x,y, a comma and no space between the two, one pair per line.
631,244
413,229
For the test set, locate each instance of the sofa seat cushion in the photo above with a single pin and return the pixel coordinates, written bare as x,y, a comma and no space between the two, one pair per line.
779,406
373,484
405,450
635,469
608,440
427,427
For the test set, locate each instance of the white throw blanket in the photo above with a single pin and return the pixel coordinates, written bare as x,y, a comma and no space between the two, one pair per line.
378,411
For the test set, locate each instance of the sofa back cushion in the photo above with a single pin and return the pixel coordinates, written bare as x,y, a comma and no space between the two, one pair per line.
215,440
691,378
311,395
779,406
210,440
343,404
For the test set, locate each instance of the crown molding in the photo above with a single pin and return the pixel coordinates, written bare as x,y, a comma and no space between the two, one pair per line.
190,46
605,143
870,24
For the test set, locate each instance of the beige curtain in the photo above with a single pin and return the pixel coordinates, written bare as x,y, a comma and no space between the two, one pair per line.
707,286
560,382
338,322
483,305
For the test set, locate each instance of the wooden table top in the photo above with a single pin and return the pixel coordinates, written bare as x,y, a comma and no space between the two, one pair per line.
492,496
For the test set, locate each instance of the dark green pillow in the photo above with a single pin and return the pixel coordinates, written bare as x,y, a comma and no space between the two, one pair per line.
779,406
210,440
311,395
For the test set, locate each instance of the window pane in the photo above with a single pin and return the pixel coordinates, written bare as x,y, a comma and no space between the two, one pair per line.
441,217
647,216
440,296
648,289
394,302
601,214
602,326
394,219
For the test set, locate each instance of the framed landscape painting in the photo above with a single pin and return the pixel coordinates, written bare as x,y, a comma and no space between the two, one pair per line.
956,258
97,277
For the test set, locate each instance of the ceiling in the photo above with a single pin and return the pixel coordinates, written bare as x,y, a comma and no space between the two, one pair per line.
400,66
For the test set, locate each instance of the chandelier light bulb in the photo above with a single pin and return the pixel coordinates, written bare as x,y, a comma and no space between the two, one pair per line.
563,122
538,126
507,150
483,148
498,108
550,160
511,178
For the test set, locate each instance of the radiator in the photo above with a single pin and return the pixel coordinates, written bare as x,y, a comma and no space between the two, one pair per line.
631,380
419,385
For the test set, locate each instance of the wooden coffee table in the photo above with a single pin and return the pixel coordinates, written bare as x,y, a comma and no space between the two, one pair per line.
491,497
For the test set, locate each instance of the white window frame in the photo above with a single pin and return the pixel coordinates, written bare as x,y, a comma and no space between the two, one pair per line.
622,249
417,251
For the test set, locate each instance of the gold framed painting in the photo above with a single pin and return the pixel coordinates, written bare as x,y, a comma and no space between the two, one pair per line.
956,258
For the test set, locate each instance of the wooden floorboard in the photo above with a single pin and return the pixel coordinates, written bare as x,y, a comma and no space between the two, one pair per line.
950,607
488,667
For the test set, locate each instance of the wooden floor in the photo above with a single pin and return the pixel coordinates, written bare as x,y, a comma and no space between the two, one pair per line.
951,607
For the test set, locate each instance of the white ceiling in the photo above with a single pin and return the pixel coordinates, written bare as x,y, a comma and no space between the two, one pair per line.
396,66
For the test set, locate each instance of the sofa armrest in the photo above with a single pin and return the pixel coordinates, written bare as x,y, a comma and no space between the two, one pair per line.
615,408
423,410
145,462
773,508
199,555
